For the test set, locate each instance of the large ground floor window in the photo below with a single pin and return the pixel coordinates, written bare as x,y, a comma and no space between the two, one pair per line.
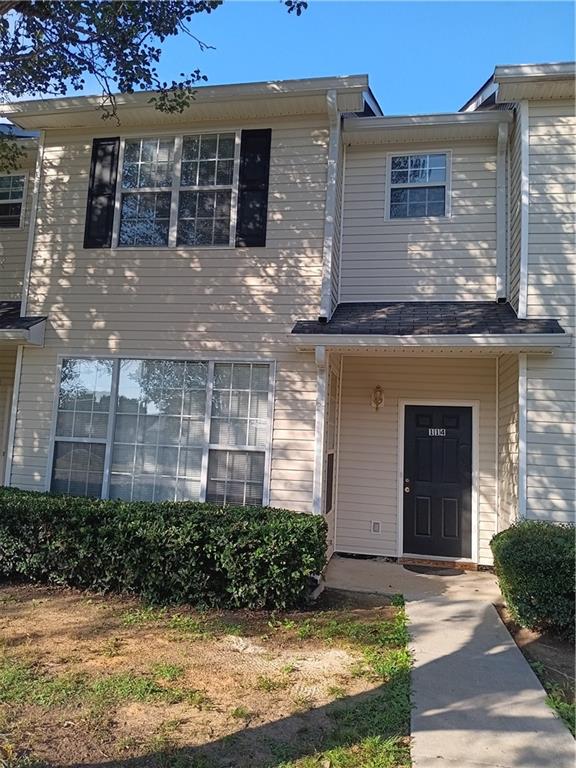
163,430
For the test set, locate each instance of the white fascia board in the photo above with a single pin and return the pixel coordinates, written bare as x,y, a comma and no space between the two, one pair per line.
22,112
33,337
563,70
360,124
513,342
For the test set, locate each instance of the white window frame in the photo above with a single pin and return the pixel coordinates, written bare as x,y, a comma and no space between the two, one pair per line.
176,189
446,184
22,201
206,446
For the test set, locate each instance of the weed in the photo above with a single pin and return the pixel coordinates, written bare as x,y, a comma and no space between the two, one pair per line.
303,702
111,647
141,616
336,691
241,713
289,669
558,700
269,684
188,625
199,700
168,672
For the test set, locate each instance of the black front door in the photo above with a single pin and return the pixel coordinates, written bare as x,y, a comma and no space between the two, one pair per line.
438,481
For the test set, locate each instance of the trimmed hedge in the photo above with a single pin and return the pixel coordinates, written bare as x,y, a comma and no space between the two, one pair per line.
185,552
534,562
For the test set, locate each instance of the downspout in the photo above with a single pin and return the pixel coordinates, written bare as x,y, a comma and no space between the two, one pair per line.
32,224
501,223
326,307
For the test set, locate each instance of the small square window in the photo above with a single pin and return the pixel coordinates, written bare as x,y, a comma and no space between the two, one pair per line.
418,186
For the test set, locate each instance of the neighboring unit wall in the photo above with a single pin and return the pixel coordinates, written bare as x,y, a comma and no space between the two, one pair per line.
13,243
183,302
551,293
409,260
507,440
369,449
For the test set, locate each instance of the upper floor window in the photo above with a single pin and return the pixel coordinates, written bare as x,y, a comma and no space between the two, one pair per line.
418,185
178,190
12,197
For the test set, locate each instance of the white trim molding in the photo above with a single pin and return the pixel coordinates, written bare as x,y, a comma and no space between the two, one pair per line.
522,434
501,216
326,307
321,375
13,415
524,205
475,406
36,185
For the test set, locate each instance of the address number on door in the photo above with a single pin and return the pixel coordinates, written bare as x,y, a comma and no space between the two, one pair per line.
436,432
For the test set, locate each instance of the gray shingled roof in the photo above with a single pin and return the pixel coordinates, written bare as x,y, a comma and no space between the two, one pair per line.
10,319
424,318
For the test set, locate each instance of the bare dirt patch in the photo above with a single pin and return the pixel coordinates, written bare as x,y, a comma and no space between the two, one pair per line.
91,680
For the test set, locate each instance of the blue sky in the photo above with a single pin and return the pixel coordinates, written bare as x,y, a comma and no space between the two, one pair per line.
421,57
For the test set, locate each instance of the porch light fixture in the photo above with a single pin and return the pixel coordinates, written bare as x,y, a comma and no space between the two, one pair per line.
377,397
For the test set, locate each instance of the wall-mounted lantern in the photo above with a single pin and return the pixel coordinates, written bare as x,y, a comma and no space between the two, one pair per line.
377,397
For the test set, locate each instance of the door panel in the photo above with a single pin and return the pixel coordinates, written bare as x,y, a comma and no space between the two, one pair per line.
438,481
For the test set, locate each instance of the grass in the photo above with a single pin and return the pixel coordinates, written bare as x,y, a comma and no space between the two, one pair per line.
21,683
364,707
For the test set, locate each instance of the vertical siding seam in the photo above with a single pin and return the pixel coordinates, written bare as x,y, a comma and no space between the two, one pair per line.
13,416
524,206
522,430
32,224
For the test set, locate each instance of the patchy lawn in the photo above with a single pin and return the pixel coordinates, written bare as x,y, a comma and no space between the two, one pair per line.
106,681
552,659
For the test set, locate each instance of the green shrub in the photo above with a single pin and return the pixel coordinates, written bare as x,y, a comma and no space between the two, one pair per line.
186,552
534,562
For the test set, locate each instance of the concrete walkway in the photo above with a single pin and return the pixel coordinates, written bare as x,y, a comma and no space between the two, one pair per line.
477,703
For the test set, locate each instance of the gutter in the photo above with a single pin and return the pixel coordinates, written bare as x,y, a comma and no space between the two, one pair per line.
513,342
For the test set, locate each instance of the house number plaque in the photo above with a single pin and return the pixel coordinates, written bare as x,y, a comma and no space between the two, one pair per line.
436,432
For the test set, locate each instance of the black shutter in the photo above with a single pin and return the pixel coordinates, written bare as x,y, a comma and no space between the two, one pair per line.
101,193
253,187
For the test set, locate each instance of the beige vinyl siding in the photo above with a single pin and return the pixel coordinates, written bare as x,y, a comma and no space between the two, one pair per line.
408,260
369,448
507,440
550,440
514,207
213,303
7,370
13,244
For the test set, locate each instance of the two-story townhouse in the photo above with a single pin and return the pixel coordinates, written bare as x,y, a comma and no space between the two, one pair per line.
282,296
